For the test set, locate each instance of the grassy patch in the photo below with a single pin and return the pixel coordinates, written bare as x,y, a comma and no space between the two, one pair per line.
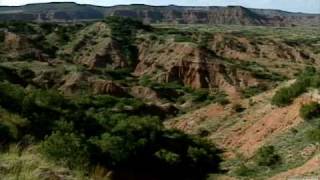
286,95
253,90
289,146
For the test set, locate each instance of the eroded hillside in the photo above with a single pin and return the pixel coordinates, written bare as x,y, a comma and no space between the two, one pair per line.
172,14
107,88
245,127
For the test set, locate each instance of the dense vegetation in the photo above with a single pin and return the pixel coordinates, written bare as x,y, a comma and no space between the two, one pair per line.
284,96
253,90
121,134
84,131
310,111
54,106
123,31
177,92
267,156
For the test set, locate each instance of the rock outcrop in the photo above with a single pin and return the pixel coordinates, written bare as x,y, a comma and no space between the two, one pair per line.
94,48
15,42
76,82
105,54
100,86
191,66
17,46
234,47
235,15
145,93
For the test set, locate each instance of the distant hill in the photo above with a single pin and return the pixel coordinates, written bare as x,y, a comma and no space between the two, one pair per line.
230,15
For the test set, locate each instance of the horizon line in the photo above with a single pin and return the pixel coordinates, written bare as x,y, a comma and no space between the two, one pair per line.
106,6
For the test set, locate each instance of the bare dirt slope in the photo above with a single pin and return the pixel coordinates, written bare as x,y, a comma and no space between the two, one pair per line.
243,131
309,169
260,123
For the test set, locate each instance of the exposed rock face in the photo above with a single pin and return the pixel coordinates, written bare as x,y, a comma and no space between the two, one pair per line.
16,46
94,48
13,41
207,74
154,14
162,110
73,83
48,79
252,129
106,54
191,15
165,61
100,86
208,68
144,93
191,66
233,47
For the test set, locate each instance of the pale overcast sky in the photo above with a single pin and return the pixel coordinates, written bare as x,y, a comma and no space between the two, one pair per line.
311,6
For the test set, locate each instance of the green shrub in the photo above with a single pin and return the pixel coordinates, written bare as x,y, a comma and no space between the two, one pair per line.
119,74
123,25
66,148
11,96
266,156
146,81
202,156
48,27
42,108
48,99
221,98
214,97
135,104
5,135
315,81
244,170
2,36
200,95
20,27
25,73
314,135
203,132
123,30
64,126
104,101
15,124
204,40
170,91
168,157
238,108
136,143
310,111
308,78
285,96
153,37
253,90
128,137
183,38
110,134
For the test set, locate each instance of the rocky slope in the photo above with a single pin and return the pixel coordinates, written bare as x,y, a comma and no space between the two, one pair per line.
214,82
242,133
229,62
234,15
